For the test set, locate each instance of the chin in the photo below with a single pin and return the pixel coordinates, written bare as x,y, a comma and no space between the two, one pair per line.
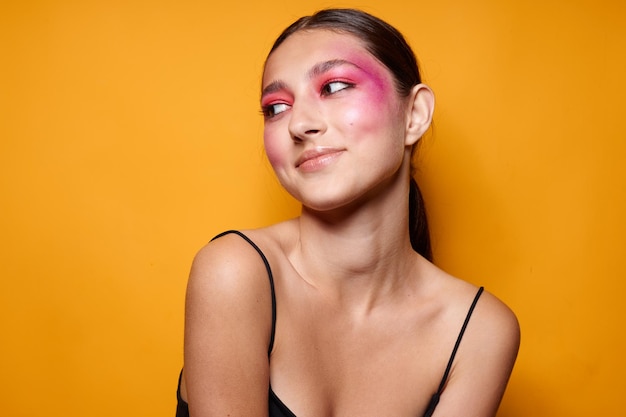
322,196
331,206
340,200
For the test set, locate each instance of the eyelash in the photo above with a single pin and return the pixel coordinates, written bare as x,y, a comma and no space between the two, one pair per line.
269,111
346,85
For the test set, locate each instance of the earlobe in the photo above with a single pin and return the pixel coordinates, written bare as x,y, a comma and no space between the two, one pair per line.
421,106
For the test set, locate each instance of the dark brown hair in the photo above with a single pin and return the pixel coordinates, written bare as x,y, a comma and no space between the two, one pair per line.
387,45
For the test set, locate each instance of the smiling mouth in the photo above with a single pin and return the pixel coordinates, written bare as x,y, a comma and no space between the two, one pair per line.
318,158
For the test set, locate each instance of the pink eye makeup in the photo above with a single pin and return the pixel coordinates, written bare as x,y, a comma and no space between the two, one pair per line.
274,100
324,79
272,110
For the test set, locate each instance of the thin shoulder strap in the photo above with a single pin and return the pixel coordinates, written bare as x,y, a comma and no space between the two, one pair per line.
435,398
458,340
270,276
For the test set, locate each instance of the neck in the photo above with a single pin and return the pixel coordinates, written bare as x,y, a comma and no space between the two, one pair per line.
358,254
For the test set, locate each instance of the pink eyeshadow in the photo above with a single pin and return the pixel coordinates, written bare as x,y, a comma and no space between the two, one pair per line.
372,71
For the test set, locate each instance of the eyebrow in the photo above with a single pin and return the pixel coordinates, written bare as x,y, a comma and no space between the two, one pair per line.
326,66
316,70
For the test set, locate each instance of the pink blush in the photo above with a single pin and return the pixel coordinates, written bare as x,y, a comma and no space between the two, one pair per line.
376,96
273,151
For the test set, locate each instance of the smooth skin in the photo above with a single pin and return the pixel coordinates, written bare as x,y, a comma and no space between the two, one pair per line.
365,325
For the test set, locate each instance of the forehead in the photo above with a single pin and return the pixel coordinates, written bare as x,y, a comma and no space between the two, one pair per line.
307,47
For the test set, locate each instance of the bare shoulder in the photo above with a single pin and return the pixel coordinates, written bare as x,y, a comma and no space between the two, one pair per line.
228,259
228,288
492,329
485,359
228,319
494,324
237,262
491,319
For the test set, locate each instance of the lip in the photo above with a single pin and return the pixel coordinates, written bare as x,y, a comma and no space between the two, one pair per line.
317,158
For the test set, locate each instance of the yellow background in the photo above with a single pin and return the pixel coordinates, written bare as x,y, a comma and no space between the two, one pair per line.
130,134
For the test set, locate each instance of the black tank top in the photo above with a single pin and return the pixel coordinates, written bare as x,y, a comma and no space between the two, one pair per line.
276,407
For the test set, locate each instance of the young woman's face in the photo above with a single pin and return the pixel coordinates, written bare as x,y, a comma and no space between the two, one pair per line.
334,123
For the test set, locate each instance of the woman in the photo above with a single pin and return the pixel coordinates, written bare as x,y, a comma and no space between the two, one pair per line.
339,312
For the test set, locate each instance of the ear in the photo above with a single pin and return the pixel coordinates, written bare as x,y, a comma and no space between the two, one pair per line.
420,108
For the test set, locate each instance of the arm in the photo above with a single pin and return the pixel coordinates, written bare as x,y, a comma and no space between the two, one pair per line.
227,331
483,364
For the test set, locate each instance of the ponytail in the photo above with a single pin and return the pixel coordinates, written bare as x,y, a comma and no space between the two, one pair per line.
418,223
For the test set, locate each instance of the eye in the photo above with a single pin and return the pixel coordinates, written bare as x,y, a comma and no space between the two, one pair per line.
335,86
272,110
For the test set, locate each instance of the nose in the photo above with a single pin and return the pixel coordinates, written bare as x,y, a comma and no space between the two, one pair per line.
306,120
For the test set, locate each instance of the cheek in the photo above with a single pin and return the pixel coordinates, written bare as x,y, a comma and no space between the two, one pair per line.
372,105
369,113
358,117
275,153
